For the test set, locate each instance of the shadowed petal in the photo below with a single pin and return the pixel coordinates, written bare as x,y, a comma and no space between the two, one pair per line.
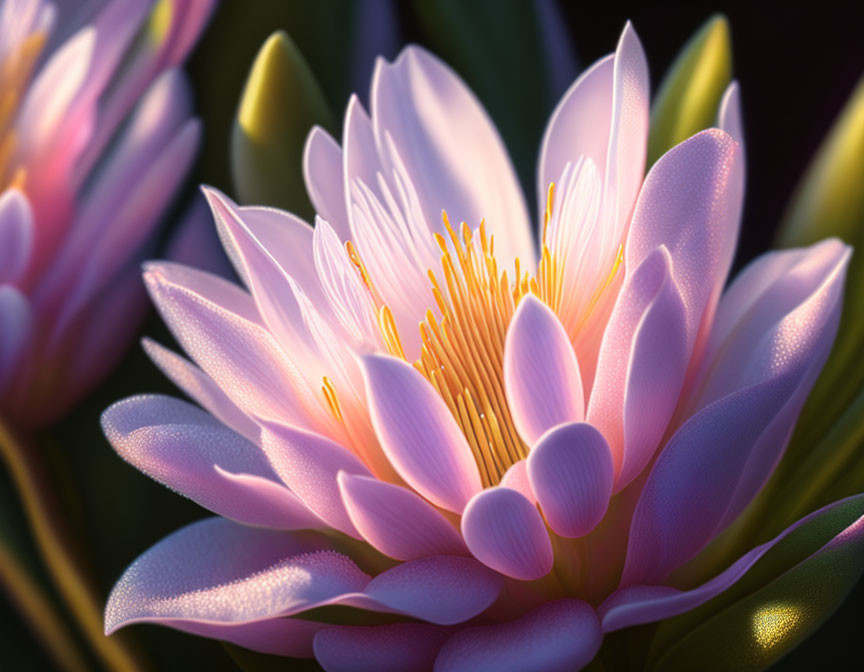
382,648
504,531
570,469
559,636
697,476
16,235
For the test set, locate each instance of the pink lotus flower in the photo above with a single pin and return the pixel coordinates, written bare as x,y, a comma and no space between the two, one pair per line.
96,135
457,478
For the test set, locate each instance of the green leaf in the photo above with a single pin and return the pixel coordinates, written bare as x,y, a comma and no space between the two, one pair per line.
280,104
692,88
783,599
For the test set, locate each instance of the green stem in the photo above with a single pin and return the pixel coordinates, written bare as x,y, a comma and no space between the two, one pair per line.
36,609
74,586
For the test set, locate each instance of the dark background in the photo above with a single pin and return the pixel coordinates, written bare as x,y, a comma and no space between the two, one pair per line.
797,64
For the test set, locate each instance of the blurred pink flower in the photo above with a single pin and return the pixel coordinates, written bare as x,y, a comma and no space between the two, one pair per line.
467,496
96,136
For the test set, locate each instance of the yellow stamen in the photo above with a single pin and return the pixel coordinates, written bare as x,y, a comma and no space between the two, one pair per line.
462,346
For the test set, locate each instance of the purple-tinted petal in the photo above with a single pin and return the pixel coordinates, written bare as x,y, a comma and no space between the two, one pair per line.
579,126
396,521
216,571
541,374
382,648
450,149
698,477
195,242
325,180
641,367
628,133
191,452
309,464
441,589
277,636
238,354
504,531
15,335
691,203
559,636
637,604
418,433
570,469
729,113
201,388
16,235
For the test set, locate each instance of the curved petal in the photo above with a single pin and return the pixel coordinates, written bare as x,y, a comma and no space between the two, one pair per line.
16,235
753,632
418,433
396,521
720,449
215,571
635,605
604,116
641,367
441,589
541,374
450,149
201,388
558,636
691,203
325,181
504,531
381,648
191,452
238,354
729,113
570,469
276,636
309,464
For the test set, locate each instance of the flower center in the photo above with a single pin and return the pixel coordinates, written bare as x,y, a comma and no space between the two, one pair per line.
462,351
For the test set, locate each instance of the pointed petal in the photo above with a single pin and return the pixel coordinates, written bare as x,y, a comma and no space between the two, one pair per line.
396,521
191,452
570,469
541,374
418,433
239,354
309,464
696,480
691,203
558,636
641,367
824,559
450,149
504,531
216,571
325,180
201,388
635,605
